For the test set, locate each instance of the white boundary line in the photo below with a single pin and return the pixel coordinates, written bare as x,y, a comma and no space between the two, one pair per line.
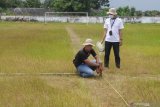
100,53
30,74
117,93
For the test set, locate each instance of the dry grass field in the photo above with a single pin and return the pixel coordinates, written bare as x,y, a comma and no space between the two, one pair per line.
34,48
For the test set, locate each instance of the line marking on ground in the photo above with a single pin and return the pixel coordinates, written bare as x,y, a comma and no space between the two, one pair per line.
35,74
117,92
74,39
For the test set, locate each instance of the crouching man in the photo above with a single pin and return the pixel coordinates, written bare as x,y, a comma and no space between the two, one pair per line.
84,66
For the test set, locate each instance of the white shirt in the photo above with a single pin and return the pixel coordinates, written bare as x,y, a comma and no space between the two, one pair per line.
118,24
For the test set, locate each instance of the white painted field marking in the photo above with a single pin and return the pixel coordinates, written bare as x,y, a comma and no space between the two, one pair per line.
74,39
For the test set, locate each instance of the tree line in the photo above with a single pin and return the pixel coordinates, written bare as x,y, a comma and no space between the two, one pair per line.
126,11
56,5
91,6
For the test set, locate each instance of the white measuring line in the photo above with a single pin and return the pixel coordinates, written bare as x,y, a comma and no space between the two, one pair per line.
100,54
25,74
128,105
117,93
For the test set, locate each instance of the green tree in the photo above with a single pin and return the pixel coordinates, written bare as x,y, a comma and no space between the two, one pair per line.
126,11
1,10
11,3
3,4
16,3
132,11
147,13
104,3
155,13
33,3
74,5
120,11
139,13
48,4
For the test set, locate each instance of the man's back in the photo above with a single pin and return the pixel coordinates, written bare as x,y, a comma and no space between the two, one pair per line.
81,56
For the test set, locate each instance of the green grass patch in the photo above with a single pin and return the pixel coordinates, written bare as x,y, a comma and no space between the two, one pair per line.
35,47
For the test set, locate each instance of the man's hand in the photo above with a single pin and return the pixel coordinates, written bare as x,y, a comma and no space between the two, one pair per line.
121,37
104,35
120,42
99,69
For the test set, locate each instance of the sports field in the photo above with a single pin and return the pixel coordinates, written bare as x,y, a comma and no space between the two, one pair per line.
34,48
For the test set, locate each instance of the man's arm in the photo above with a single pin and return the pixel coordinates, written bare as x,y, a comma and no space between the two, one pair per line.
97,59
100,67
88,62
104,35
120,37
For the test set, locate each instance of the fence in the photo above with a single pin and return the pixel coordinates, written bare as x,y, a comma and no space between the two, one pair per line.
38,14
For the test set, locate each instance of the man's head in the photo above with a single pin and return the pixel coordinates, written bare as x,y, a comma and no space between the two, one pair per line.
88,44
112,13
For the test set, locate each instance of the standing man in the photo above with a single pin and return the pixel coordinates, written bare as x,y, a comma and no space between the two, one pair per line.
84,66
112,36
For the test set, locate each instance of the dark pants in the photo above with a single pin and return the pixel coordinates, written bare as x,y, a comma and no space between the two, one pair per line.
108,46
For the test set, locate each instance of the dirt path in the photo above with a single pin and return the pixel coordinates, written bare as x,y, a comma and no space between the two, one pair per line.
75,40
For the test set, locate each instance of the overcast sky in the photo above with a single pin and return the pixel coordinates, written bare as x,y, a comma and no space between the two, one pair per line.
138,4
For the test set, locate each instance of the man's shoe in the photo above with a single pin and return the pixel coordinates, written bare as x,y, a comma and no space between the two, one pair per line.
106,66
118,66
